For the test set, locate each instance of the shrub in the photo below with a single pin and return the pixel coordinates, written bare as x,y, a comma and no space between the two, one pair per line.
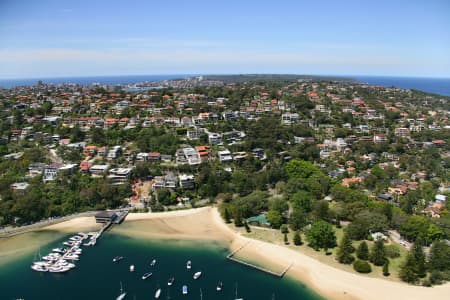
392,251
436,277
297,239
284,229
362,266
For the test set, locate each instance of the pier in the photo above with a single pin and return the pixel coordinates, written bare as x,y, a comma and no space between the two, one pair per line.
253,266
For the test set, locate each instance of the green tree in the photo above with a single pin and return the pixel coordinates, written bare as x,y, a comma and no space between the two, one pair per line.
284,228
439,259
227,216
378,253
302,199
345,250
408,269
386,268
419,258
297,239
363,251
298,219
321,235
275,218
286,241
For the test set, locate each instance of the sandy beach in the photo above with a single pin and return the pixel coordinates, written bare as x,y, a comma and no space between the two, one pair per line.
206,223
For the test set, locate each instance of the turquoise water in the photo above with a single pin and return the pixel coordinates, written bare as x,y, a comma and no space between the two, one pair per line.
97,277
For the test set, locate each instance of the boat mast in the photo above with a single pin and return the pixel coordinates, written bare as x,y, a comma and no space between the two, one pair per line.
201,295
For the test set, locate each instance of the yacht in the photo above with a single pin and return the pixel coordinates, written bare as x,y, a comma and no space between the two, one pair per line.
185,289
219,286
131,268
58,269
197,275
146,275
236,297
153,263
158,293
171,280
39,268
59,250
122,293
188,265
117,258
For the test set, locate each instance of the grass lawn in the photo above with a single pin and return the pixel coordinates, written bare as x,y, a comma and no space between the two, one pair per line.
276,237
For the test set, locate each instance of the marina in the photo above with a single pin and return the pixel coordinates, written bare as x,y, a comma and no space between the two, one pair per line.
57,260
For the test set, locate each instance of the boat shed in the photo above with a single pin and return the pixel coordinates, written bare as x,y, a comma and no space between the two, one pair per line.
105,216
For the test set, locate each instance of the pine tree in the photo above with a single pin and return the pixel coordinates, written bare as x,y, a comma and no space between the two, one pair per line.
297,239
386,268
378,254
407,270
363,251
247,228
226,216
345,249
419,257
286,241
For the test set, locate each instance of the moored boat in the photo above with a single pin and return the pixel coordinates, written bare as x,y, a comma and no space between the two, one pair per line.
158,293
184,290
219,286
122,293
146,275
153,263
117,258
171,280
197,275
188,265
131,268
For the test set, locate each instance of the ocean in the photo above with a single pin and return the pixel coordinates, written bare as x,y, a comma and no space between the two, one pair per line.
439,86
97,277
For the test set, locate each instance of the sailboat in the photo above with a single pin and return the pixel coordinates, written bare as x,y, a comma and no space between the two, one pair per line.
122,293
236,296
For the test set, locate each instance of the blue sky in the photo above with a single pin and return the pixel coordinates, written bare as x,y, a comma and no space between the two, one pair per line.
80,38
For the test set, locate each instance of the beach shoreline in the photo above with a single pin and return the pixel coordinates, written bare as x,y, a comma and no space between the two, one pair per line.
207,224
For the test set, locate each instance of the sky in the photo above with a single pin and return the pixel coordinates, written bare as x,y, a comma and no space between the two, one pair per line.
59,38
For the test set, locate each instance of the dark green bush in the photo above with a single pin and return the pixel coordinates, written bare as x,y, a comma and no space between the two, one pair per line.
362,266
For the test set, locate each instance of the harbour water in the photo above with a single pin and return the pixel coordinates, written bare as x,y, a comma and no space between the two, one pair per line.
98,277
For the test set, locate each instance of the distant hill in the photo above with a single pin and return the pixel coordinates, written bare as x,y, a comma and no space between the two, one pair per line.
240,78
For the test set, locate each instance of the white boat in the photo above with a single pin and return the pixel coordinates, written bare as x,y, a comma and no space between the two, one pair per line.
131,268
153,263
171,280
188,265
117,258
146,275
39,268
184,290
58,269
236,297
122,293
59,250
197,275
158,293
219,286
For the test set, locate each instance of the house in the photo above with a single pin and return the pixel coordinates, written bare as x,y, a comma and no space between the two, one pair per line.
154,156
434,210
186,181
142,157
85,166
114,152
105,217
259,154
188,155
215,138
347,182
19,187
98,170
194,133
119,175
204,152
90,150
440,198
289,118
380,138
402,132
225,155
